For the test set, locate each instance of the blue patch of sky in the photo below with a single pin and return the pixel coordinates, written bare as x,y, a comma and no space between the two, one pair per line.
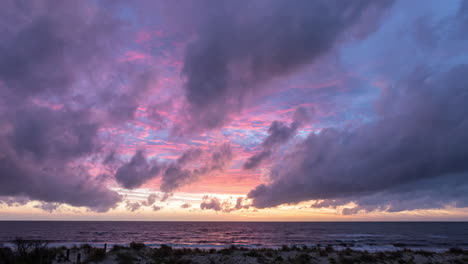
250,139
160,134
395,46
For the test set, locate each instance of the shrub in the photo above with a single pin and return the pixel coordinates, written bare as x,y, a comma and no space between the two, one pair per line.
302,259
96,254
162,252
25,247
279,258
86,247
396,255
227,251
402,261
346,260
295,248
137,246
323,253
6,255
424,253
117,247
456,251
347,252
30,251
253,254
125,258
178,261
367,257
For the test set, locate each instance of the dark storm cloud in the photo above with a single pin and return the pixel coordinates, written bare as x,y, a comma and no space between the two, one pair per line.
450,191
241,45
189,156
54,183
137,171
46,45
174,175
46,134
123,104
413,149
53,56
256,159
280,133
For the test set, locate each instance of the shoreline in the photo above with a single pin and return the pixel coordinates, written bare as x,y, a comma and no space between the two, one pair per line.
34,251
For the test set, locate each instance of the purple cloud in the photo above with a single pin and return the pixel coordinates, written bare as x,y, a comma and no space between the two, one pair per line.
138,170
415,141
239,47
280,133
50,63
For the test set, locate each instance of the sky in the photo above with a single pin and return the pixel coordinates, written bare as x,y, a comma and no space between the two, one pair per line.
264,110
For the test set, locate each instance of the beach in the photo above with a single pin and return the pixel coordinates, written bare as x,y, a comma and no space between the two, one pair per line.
38,252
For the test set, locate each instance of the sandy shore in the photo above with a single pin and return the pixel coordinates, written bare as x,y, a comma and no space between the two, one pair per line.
139,253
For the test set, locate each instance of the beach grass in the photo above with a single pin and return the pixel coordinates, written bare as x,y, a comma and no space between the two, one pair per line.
39,252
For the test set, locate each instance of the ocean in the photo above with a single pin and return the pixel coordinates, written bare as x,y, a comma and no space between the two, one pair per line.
371,236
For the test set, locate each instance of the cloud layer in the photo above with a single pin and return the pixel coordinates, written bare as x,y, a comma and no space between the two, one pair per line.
46,52
98,95
415,141
191,165
279,133
239,47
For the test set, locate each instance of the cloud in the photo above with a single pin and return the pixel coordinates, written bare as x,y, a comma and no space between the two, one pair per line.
58,135
123,103
211,204
157,208
255,160
137,171
412,196
240,204
280,133
49,207
412,149
189,166
185,206
151,199
214,203
54,183
57,71
14,200
176,175
133,206
240,47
